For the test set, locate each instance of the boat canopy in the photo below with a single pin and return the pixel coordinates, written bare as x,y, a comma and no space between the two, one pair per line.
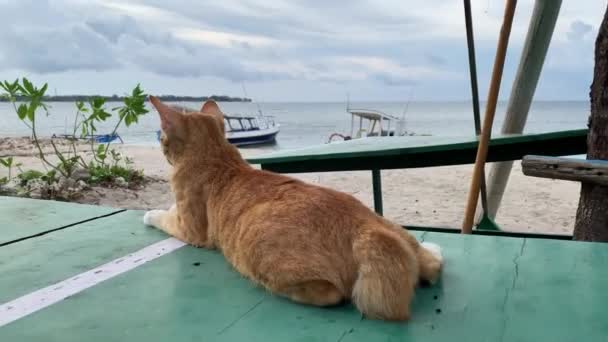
372,114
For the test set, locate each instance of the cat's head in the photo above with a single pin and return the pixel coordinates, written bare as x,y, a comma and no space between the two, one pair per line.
183,131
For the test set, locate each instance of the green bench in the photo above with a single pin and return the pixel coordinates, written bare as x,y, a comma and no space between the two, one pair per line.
492,289
375,154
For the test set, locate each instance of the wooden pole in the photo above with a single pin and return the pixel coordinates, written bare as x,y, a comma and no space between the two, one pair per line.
578,170
486,131
538,38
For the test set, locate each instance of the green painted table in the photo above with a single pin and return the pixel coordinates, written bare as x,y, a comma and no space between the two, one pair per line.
21,218
38,262
492,289
377,153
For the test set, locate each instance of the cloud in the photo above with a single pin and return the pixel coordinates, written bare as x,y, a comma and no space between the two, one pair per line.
436,59
223,39
113,27
391,72
179,62
110,41
578,30
356,43
173,44
56,50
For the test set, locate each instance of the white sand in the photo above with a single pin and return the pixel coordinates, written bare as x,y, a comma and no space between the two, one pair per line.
425,197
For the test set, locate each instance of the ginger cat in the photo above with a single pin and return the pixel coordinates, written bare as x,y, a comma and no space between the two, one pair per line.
311,244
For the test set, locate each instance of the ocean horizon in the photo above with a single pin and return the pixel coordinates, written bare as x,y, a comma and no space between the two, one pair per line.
311,123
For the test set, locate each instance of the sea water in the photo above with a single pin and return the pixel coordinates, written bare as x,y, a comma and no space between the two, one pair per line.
304,124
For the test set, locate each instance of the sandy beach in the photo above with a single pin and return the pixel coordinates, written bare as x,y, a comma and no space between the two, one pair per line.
427,197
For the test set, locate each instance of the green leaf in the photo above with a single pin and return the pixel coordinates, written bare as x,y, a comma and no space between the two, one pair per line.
50,176
101,152
103,115
14,86
5,162
98,102
29,87
43,90
31,112
22,111
28,175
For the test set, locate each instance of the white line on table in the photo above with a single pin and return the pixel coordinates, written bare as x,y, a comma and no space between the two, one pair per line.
40,299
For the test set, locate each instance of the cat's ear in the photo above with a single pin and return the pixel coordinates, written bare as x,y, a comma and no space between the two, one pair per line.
168,115
211,107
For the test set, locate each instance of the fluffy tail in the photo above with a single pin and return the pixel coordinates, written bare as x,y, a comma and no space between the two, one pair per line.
388,274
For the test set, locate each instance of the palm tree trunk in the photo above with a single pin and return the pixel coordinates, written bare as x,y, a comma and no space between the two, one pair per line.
592,215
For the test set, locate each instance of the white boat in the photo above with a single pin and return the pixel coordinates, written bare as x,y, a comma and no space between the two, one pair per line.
372,123
250,130
246,130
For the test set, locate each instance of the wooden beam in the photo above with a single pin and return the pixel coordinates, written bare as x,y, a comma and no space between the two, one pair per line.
486,131
579,170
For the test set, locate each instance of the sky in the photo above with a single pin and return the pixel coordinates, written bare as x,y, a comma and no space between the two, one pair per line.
285,50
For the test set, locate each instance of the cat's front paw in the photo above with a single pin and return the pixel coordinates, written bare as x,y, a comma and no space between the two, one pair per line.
152,217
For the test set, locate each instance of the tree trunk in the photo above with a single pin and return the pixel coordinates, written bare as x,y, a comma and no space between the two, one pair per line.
592,215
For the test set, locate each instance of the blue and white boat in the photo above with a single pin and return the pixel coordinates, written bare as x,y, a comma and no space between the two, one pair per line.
98,138
248,130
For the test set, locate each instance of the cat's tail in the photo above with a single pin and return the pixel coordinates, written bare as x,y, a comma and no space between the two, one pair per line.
387,275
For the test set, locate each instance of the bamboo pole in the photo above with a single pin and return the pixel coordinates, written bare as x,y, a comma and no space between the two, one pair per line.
486,131
538,38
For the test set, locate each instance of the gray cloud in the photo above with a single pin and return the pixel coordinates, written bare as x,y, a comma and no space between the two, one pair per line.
436,59
253,40
303,34
113,27
180,62
578,30
393,80
109,41
56,50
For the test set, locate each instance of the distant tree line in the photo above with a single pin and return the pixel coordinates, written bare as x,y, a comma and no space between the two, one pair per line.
168,98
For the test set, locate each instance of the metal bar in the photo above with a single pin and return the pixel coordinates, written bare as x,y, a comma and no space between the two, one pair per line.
474,90
472,65
377,186
500,233
486,132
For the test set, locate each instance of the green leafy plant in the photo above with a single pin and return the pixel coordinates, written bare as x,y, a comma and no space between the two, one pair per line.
106,173
9,163
26,111
46,183
30,175
106,164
